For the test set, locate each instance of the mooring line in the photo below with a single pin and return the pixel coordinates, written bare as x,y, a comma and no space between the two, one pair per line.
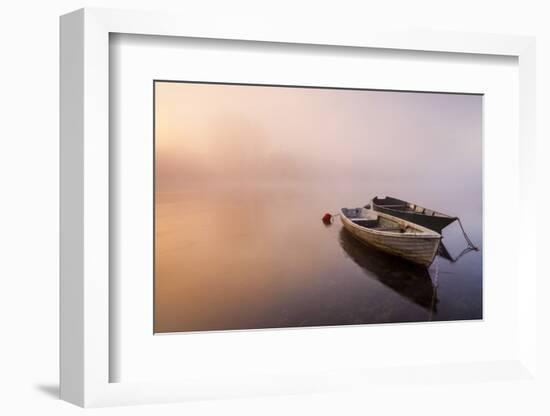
470,244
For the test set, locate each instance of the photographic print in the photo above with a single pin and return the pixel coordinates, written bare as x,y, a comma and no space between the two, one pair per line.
290,206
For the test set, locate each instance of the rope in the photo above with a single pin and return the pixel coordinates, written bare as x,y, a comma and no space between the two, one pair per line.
466,250
470,244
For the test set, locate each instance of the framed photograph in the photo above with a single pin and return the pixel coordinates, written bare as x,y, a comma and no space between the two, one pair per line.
256,211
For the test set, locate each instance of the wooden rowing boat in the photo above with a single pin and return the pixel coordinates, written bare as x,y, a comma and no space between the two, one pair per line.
428,218
392,235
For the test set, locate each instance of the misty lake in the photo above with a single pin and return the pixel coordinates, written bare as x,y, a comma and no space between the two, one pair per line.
241,257
244,174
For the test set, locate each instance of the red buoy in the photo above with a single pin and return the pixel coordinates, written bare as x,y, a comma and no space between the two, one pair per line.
327,218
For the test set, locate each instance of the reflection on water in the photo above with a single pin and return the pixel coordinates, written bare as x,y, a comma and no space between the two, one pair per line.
241,258
443,251
409,280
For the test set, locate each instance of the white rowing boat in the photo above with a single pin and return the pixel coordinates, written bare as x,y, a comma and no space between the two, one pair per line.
392,235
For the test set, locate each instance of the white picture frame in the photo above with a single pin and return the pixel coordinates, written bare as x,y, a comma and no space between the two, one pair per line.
85,222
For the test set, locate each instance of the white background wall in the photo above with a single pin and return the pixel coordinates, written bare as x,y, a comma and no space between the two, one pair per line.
29,204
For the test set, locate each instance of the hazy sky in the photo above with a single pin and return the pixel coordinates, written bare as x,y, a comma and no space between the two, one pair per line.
216,134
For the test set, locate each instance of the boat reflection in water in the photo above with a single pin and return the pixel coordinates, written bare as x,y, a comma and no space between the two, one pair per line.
409,280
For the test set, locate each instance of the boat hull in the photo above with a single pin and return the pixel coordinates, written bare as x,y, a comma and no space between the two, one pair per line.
417,248
416,214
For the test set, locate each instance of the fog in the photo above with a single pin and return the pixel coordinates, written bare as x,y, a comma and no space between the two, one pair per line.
217,134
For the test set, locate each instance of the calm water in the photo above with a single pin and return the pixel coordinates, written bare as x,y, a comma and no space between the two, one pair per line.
235,257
